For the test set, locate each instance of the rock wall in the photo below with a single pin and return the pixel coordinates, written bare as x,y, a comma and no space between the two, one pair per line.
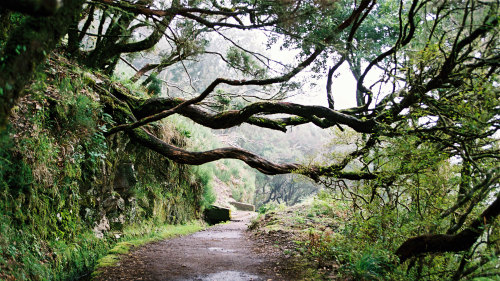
67,191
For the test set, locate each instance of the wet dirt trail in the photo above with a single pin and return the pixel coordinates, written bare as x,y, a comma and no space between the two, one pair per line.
222,252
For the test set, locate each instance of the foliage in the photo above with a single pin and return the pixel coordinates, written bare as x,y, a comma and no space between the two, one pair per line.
327,236
154,87
419,173
55,168
242,61
268,207
206,175
43,237
25,256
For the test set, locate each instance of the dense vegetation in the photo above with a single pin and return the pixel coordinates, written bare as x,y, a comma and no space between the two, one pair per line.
68,194
418,166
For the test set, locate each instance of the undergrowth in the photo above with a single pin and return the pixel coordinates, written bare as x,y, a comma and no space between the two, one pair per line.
330,242
61,208
338,241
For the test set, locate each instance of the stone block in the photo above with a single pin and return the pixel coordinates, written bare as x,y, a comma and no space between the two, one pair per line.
216,214
243,206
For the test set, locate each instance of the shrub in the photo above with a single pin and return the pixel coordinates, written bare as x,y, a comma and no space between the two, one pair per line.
372,265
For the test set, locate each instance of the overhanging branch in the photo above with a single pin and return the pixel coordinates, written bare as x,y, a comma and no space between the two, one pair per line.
211,88
183,156
440,243
321,116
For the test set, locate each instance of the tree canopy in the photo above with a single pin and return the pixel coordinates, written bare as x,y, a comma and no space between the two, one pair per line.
427,124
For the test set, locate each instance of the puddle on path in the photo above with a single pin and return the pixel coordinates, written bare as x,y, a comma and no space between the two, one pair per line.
220,253
217,249
228,275
217,234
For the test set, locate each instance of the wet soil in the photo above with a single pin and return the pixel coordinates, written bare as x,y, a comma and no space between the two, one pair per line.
223,252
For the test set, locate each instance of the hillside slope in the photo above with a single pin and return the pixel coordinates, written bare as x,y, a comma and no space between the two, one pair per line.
68,193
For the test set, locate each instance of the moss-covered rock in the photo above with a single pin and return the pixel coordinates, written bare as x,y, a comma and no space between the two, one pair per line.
216,214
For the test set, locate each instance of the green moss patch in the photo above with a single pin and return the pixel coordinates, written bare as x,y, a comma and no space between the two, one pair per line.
57,172
138,235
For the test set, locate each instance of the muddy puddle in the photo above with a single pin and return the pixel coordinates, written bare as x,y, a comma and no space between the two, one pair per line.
226,275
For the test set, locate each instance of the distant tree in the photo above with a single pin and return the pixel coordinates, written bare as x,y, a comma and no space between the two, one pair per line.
286,189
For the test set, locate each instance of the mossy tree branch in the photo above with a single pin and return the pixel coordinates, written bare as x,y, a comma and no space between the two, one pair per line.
253,114
183,156
211,88
125,106
440,243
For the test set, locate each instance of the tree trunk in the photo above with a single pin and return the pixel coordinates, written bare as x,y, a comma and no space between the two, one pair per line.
73,35
27,47
33,7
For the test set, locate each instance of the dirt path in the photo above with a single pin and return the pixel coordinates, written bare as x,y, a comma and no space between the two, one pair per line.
223,252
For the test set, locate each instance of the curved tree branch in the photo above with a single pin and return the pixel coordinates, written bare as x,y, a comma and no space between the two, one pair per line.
149,42
319,115
143,70
265,166
212,87
140,135
329,81
440,243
